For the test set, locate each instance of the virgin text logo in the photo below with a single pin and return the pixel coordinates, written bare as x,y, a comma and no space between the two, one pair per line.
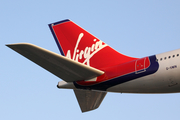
87,52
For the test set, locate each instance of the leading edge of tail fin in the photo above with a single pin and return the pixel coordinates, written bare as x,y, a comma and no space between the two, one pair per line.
77,44
54,34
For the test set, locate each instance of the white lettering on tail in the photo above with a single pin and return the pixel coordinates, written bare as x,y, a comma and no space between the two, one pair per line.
88,52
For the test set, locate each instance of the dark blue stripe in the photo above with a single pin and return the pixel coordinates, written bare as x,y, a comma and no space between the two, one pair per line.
125,78
62,21
52,31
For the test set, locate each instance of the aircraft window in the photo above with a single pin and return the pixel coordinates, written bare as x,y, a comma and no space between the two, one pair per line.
169,56
161,59
173,55
177,54
164,57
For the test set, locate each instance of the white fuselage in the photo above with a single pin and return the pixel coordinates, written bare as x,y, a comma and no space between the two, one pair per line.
165,80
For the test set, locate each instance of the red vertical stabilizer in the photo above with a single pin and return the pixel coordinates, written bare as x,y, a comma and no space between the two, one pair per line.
79,45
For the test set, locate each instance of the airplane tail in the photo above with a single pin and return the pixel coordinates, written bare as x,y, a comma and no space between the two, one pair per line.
89,58
79,45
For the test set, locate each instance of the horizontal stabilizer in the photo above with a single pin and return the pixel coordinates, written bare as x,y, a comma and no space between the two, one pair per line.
61,66
89,100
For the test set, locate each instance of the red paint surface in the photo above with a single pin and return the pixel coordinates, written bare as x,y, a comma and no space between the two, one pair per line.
113,63
67,34
120,70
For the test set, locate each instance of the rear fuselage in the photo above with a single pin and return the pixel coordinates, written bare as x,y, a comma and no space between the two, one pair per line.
165,80
154,74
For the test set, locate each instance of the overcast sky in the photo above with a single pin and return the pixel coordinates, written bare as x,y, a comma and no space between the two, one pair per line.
135,28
